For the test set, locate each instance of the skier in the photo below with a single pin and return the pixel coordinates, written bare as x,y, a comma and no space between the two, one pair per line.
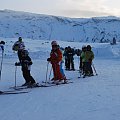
19,46
70,53
55,59
87,58
66,58
82,60
26,65
61,65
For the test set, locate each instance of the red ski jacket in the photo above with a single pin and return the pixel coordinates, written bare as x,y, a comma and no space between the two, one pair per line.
55,56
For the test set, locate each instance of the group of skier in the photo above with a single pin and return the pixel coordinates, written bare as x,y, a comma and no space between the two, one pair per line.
86,57
56,60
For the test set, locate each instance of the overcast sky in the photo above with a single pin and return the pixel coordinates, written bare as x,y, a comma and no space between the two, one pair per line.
67,8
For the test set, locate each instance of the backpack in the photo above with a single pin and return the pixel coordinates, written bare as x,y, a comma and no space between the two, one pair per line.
15,47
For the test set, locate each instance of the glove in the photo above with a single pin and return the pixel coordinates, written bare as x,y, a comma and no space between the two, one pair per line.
48,60
30,63
17,64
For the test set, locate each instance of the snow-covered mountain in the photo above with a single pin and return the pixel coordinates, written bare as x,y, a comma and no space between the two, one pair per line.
37,26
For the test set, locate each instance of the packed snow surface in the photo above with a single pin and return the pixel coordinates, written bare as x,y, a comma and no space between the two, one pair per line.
93,98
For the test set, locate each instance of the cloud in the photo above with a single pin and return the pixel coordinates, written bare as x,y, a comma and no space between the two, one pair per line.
83,13
71,8
88,8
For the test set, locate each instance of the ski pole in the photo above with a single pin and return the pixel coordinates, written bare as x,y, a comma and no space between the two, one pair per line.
80,72
94,69
1,66
46,72
15,75
50,73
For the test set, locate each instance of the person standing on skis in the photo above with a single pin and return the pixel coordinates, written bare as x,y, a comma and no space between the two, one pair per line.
61,64
26,63
66,58
82,60
55,59
19,46
70,53
87,58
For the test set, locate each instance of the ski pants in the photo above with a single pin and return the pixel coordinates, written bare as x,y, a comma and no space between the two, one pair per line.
66,63
56,71
70,63
88,68
61,69
27,76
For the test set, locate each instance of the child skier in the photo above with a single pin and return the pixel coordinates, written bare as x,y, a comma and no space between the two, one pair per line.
61,65
70,59
19,46
82,60
87,58
26,65
55,59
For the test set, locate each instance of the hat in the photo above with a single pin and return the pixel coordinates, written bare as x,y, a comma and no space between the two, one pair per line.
54,43
2,42
88,46
20,38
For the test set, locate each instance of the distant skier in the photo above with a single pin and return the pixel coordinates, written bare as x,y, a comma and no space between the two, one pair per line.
2,43
114,41
19,46
26,63
55,59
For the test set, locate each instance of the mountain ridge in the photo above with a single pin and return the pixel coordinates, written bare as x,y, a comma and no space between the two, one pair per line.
49,27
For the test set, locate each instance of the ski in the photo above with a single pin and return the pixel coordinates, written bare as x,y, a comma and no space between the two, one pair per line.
50,81
29,87
12,92
49,84
87,76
